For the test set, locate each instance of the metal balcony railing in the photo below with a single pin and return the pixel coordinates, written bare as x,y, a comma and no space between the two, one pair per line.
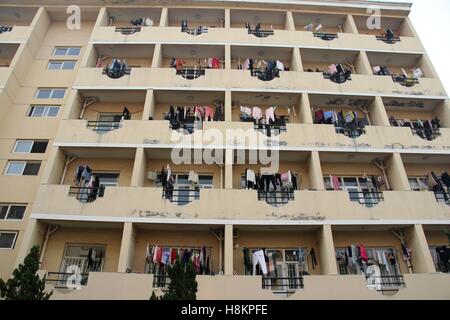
427,133
103,126
325,36
282,285
442,196
265,74
194,31
366,197
5,29
404,80
271,129
181,196
191,73
128,30
87,194
161,281
64,279
261,33
351,129
337,77
277,197
389,40
386,282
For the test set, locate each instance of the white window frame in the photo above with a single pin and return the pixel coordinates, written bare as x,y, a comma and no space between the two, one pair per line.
67,51
23,141
9,205
31,147
23,169
47,109
16,233
62,62
52,90
417,181
9,164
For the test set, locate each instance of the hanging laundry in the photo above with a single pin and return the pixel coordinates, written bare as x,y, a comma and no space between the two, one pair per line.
335,181
259,258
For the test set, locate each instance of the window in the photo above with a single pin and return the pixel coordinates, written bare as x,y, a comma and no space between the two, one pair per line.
51,93
61,65
22,168
7,239
418,183
30,146
12,211
361,189
67,51
108,179
38,111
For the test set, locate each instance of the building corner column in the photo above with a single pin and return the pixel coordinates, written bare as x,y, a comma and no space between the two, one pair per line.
327,255
228,250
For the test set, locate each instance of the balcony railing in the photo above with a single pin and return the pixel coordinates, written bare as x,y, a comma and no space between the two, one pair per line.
276,198
325,36
337,77
389,40
368,198
128,30
282,285
272,129
261,33
187,126
191,73
87,194
161,281
265,74
404,80
5,29
442,196
194,31
181,196
103,126
427,133
64,279
351,129
386,283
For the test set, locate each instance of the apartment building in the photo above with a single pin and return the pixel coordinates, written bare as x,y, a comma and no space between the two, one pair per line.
357,122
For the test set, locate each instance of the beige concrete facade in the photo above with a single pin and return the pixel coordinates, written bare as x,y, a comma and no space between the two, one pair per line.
133,213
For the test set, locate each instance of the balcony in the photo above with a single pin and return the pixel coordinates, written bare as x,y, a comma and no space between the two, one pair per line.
15,23
422,117
428,174
196,22
7,53
187,112
326,27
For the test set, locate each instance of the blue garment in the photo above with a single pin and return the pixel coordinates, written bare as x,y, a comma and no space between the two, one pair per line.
87,172
328,114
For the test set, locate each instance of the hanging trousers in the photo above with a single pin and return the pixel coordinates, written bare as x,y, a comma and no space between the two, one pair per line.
258,258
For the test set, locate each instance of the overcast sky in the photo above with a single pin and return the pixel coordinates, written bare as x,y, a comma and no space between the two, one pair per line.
431,19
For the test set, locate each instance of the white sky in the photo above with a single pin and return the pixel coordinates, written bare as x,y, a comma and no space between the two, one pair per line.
431,19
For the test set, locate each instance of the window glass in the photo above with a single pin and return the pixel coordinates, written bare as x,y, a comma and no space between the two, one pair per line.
32,169
39,147
291,255
108,179
3,211
7,240
68,65
23,146
54,65
16,212
44,93
58,93
52,111
60,51
73,51
15,167
36,111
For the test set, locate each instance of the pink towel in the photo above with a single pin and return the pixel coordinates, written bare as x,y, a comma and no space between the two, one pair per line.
336,183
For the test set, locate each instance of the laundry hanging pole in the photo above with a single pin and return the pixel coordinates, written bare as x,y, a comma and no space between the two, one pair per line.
86,103
380,164
401,236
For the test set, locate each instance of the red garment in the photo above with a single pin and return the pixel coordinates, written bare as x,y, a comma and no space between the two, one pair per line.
179,64
363,253
216,63
173,256
320,117
336,183
158,255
